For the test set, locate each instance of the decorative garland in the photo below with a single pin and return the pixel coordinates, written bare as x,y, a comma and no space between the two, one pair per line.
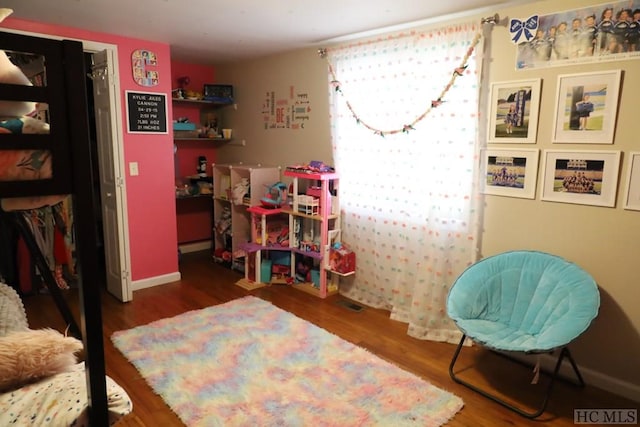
458,71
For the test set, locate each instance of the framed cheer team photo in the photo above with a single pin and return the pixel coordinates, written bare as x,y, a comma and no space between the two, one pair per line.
513,111
606,32
586,107
510,172
581,177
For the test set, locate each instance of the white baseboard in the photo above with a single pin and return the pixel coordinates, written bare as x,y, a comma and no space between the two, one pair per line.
591,377
171,277
136,285
195,246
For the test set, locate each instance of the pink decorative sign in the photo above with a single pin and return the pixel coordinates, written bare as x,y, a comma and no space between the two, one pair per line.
143,63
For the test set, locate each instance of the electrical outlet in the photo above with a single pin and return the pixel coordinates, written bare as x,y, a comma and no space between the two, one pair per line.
133,169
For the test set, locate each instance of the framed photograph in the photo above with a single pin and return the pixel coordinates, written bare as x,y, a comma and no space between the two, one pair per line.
632,196
599,46
513,111
510,172
582,177
586,107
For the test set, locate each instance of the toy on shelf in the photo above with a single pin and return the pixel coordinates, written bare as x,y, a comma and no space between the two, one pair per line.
314,166
306,236
270,227
223,224
275,196
280,267
277,234
309,205
240,190
304,265
342,259
222,255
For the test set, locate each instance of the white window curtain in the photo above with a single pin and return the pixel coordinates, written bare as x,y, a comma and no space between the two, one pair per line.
405,145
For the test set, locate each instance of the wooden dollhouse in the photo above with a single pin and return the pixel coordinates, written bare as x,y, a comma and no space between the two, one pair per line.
291,244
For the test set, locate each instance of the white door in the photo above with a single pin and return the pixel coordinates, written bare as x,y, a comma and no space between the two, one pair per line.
112,189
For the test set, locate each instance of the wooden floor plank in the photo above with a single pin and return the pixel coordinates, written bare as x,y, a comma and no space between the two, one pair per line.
205,283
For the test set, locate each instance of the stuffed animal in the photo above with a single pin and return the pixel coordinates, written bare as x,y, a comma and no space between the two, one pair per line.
18,117
240,190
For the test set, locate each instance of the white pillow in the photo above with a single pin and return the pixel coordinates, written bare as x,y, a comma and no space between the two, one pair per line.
12,314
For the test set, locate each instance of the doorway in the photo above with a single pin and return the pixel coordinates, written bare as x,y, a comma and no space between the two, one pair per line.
110,192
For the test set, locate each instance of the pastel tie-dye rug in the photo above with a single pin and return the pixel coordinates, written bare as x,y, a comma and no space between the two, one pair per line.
249,363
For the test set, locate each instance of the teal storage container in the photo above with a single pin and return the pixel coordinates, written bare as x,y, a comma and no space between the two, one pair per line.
184,126
315,278
265,271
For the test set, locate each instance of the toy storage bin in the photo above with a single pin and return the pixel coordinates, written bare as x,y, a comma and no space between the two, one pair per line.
265,271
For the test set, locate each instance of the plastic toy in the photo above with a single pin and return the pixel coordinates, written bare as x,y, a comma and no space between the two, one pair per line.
314,166
342,259
275,195
239,191
303,269
223,225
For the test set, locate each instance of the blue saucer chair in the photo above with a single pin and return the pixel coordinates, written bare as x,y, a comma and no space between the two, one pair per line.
523,301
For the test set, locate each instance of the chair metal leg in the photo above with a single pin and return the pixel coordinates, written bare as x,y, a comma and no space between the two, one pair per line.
564,352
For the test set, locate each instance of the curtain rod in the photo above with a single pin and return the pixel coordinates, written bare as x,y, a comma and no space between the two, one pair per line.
494,19
419,23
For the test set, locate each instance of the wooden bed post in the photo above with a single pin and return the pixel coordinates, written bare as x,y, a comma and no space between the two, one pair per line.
83,204
68,142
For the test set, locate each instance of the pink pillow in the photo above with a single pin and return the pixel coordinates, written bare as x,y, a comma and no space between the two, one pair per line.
26,356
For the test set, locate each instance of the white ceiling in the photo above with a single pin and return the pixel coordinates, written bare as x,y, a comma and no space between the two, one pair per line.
219,31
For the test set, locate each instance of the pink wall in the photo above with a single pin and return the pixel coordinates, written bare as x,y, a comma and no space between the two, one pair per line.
150,196
188,152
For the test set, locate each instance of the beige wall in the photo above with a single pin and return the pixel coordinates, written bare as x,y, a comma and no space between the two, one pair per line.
605,241
307,73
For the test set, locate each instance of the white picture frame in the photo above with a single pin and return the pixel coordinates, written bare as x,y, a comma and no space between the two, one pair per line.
509,172
520,125
586,107
632,193
586,177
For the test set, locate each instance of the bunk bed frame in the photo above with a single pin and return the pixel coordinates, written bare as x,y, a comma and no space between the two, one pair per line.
68,143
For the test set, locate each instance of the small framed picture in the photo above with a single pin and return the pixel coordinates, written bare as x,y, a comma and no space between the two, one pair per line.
586,107
513,111
632,196
510,172
582,177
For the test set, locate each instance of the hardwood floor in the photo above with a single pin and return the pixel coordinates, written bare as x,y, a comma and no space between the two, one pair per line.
204,284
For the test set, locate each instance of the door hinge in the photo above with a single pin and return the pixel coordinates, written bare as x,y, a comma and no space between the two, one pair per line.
119,182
